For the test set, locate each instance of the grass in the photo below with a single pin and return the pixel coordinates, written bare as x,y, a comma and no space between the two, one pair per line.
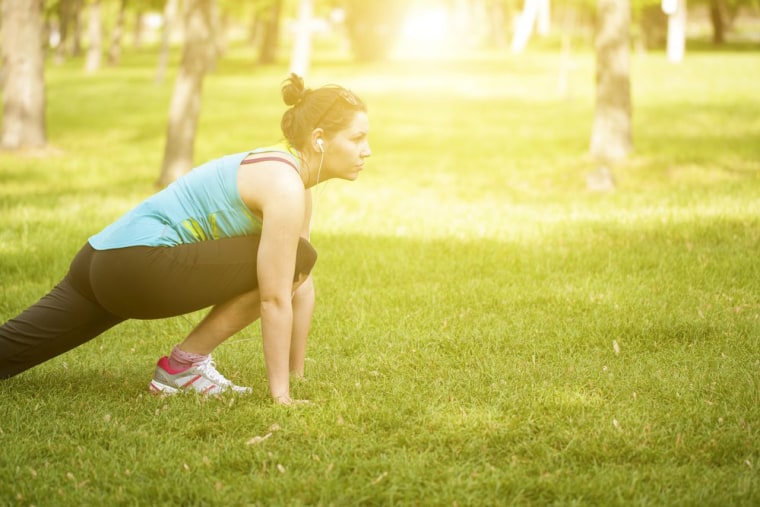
488,332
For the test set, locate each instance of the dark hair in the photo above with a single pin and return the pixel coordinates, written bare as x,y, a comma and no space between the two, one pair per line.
330,107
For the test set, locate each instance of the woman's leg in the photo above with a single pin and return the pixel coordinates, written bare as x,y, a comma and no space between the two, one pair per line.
65,318
147,283
160,282
222,321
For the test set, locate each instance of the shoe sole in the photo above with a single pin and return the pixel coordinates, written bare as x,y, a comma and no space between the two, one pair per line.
159,388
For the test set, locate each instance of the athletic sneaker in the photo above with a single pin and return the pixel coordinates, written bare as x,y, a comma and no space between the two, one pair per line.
201,377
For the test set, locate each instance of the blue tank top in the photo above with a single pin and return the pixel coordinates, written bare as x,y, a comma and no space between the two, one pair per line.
204,204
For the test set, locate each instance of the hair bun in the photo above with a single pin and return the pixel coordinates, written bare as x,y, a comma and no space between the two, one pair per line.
293,90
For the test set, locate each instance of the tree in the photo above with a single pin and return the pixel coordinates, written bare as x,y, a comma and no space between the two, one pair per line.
373,27
676,11
535,12
95,33
114,51
723,13
70,28
198,56
611,133
170,14
271,25
301,56
24,83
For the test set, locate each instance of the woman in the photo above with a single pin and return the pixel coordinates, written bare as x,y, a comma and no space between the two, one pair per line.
231,234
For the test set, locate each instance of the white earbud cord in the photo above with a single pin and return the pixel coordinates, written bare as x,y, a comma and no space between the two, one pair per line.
317,193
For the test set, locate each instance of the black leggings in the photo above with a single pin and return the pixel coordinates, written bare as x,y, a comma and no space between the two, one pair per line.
106,287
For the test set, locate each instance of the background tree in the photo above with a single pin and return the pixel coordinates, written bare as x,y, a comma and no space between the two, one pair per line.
198,56
95,36
676,11
24,81
270,26
171,8
373,27
301,55
723,13
69,28
651,24
534,12
114,50
611,133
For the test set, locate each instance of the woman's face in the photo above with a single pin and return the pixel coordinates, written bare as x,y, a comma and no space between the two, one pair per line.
346,150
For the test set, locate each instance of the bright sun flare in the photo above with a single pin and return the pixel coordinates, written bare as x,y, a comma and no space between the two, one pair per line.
426,30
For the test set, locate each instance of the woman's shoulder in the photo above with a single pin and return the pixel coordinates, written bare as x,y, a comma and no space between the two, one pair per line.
281,149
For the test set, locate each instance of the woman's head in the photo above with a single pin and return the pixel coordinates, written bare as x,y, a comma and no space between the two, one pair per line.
330,108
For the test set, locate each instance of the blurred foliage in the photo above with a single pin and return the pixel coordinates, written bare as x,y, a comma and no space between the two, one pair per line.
373,26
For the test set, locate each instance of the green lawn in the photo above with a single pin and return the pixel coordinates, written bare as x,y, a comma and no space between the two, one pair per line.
488,331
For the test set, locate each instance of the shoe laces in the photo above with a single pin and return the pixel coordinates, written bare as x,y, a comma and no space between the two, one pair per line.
208,368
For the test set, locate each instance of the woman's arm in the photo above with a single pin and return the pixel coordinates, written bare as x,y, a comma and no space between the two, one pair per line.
282,207
303,304
303,309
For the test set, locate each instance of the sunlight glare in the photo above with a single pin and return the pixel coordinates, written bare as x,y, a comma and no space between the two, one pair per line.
426,32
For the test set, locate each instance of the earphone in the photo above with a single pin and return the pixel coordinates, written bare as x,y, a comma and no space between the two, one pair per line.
321,145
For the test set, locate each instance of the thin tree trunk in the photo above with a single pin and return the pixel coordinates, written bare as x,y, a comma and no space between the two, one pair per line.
611,133
24,82
95,33
269,43
170,14
543,21
301,56
534,13
676,11
137,35
497,21
524,27
64,24
76,34
114,52
718,18
197,56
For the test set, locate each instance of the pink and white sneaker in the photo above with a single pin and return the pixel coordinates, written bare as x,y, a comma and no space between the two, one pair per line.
201,377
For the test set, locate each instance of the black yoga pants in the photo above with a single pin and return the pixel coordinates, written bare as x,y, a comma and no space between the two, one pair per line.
106,287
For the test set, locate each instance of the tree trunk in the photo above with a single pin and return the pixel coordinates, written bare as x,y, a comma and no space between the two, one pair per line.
676,11
76,34
137,34
114,52
95,33
197,56
64,23
718,18
497,29
170,14
269,43
611,133
24,83
534,13
543,21
301,56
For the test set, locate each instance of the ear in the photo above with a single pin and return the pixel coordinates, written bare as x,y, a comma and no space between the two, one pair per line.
316,135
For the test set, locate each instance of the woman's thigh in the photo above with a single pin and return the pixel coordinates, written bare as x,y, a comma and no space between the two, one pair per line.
158,282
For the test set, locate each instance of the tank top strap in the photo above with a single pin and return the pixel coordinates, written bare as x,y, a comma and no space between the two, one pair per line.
270,159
